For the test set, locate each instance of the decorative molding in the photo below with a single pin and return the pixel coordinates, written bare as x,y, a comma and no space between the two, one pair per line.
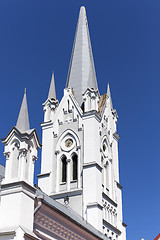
55,228
34,158
114,112
109,199
124,225
68,160
91,114
110,226
8,233
57,152
41,175
23,152
30,236
94,204
116,136
46,124
7,154
92,164
119,185
70,193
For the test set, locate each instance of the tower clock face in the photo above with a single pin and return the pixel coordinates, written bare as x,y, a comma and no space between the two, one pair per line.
68,142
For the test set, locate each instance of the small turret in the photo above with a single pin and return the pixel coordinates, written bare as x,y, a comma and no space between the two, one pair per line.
17,191
21,145
51,104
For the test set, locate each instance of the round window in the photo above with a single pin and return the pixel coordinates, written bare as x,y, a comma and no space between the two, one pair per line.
68,142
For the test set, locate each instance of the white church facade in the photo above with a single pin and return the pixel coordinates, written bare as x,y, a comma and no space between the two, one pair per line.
79,194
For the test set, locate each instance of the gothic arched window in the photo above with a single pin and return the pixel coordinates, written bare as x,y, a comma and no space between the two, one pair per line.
75,166
64,169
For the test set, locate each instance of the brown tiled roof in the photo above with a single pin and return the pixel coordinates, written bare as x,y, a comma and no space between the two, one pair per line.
158,237
102,101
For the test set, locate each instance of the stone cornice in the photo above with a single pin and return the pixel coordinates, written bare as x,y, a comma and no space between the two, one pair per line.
95,204
92,113
41,175
109,199
92,164
69,193
15,187
47,124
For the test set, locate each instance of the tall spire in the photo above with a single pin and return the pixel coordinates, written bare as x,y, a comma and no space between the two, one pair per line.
81,72
52,91
109,95
23,118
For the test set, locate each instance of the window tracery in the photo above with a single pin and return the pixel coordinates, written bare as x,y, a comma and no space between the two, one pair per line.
68,163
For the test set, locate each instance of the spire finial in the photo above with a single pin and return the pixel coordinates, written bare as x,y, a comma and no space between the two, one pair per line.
52,90
81,74
23,118
109,95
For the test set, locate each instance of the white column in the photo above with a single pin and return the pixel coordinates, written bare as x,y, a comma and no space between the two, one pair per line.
110,178
104,211
96,104
79,169
31,169
22,159
87,103
47,112
8,165
57,172
104,177
107,213
68,173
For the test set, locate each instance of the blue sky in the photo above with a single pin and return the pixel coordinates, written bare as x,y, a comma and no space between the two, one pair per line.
36,37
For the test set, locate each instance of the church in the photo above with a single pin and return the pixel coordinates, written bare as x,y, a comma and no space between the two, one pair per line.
78,194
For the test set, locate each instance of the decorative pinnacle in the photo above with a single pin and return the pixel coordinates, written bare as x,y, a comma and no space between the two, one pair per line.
23,118
109,95
52,90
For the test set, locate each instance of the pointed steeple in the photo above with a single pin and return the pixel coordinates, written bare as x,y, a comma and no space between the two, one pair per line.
109,95
23,118
52,91
81,74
